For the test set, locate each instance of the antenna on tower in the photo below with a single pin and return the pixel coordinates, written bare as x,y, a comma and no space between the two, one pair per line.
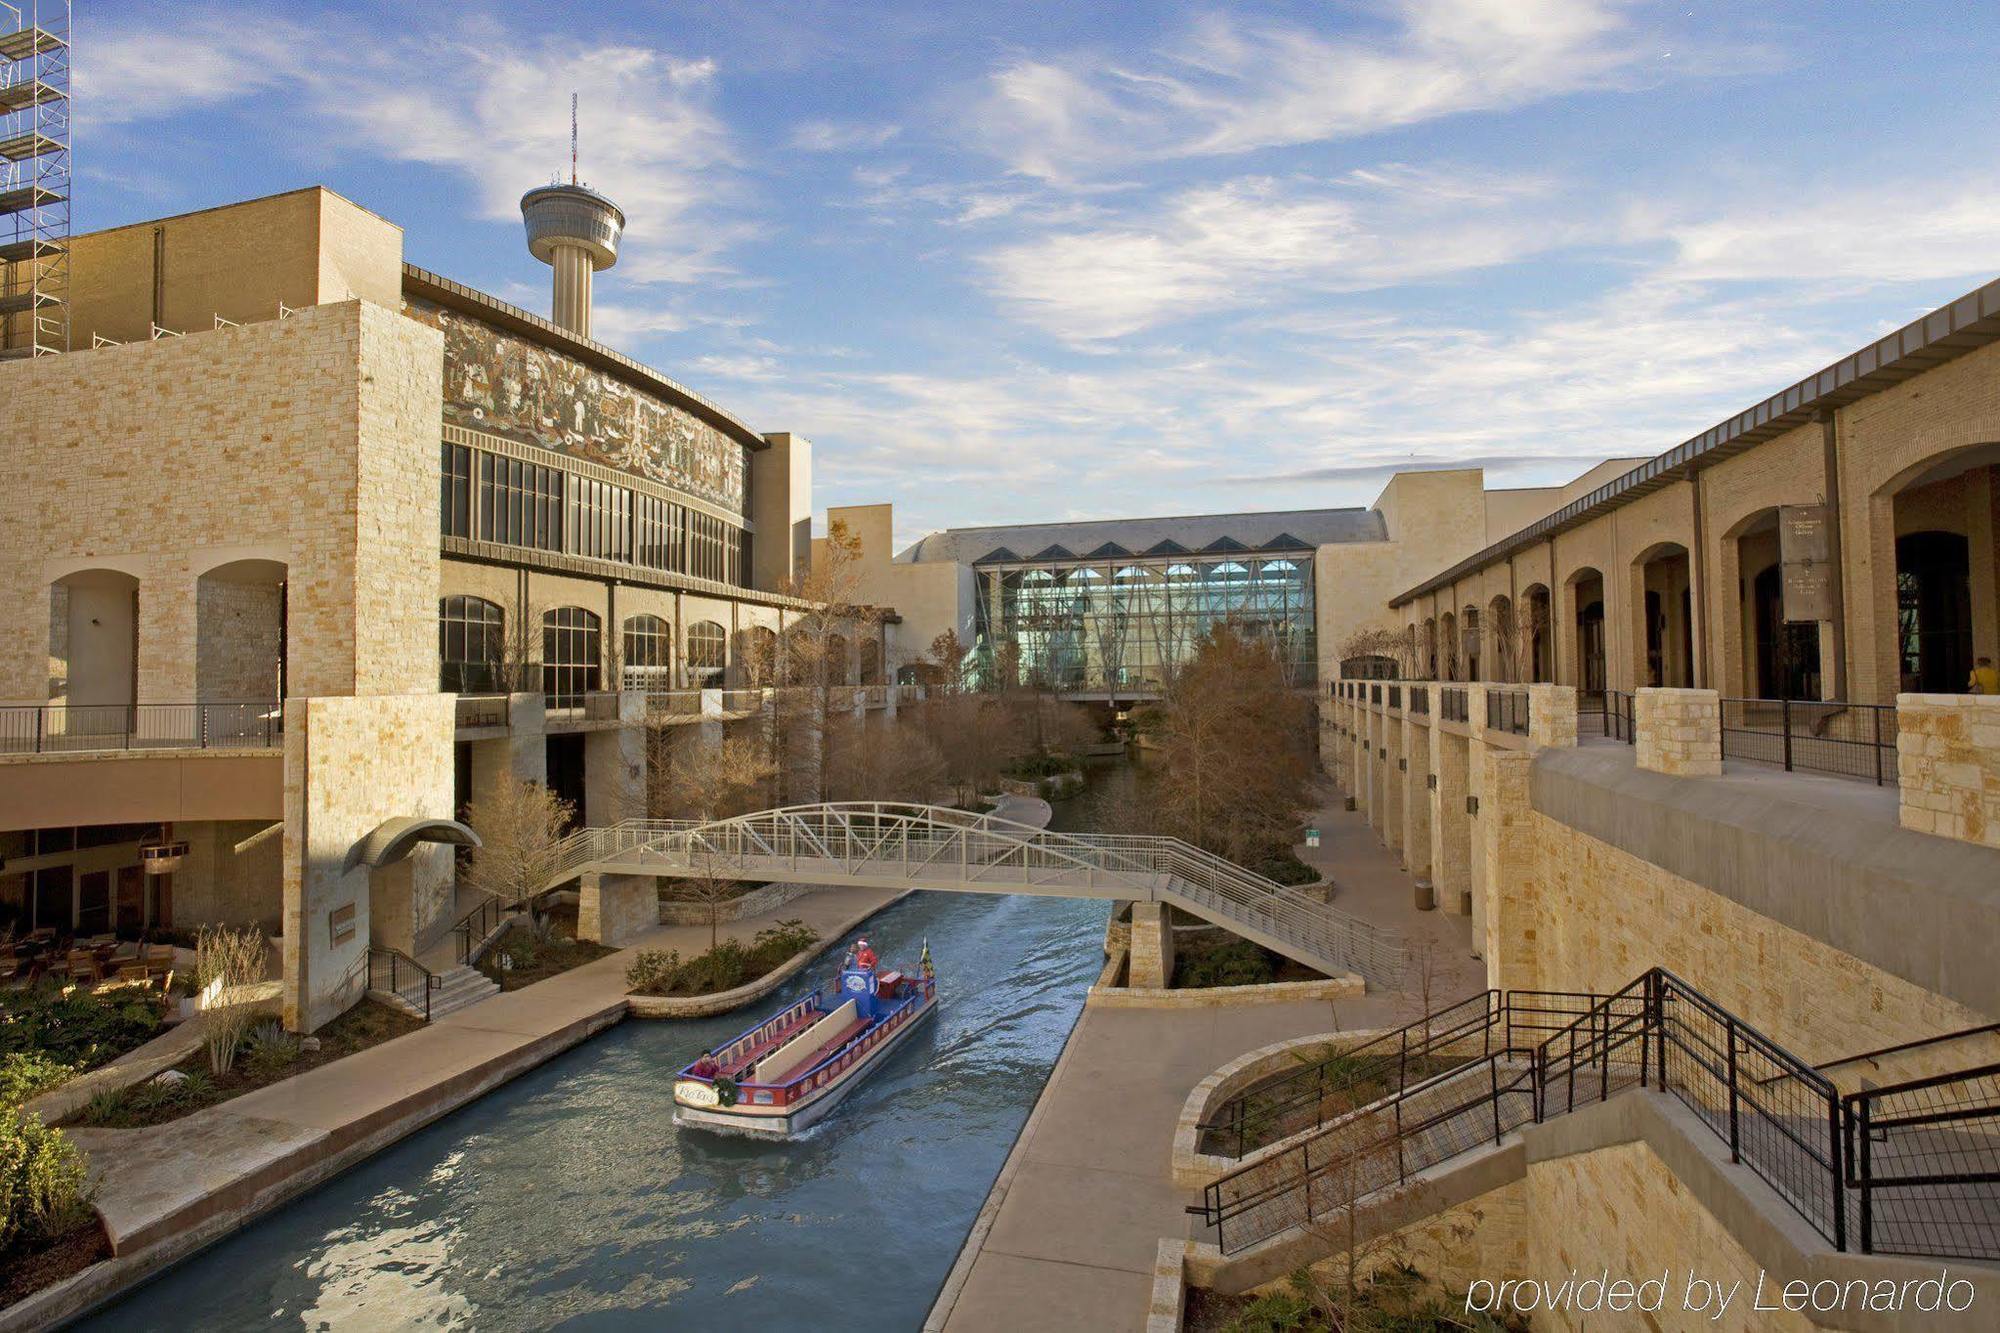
572,138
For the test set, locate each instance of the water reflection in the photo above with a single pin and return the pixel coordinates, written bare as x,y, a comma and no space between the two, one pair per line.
569,1197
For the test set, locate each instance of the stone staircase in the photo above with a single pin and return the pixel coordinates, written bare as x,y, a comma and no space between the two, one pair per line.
458,988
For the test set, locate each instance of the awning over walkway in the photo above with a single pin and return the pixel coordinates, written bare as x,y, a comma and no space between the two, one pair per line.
393,839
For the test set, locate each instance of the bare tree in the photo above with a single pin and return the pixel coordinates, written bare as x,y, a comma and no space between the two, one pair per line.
1378,641
692,778
877,760
521,826
228,964
1236,772
519,670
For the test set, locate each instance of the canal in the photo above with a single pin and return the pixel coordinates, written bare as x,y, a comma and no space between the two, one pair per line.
568,1197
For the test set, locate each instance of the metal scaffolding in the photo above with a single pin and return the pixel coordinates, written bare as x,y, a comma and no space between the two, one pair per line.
35,177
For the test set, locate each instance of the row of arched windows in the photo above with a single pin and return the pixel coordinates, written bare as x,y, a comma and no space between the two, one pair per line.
474,656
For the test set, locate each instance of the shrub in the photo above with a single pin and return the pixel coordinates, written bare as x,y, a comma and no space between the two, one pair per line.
228,962
779,942
1231,963
1041,765
654,971
25,1074
149,1102
1286,869
268,1049
43,1190
73,1025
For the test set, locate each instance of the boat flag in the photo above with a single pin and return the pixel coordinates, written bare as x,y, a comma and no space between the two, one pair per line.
925,961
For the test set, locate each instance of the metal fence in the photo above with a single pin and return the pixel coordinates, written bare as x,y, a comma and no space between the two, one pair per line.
1452,706
1924,1161
1395,696
1507,710
1848,740
1606,713
83,728
1779,1116
481,710
1420,699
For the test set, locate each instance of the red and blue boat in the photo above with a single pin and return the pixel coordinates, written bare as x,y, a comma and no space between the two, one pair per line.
785,1074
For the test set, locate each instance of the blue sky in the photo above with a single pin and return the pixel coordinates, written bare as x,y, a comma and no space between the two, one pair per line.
1021,262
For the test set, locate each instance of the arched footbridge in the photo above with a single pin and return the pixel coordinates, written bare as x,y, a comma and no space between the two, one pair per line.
882,845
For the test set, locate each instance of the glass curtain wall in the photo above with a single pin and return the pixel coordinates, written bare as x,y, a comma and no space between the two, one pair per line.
1122,626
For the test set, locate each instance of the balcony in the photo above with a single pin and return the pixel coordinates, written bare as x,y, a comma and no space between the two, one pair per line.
32,729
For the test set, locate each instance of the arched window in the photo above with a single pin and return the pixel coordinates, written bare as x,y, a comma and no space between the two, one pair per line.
649,653
757,656
471,643
572,654
707,654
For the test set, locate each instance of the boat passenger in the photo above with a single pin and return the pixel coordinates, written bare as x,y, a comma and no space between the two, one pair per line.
706,1067
864,956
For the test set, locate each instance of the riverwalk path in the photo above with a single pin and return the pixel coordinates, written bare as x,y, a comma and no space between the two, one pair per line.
166,1191
1071,1230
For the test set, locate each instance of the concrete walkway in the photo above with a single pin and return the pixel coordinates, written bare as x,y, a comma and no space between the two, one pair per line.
1073,1226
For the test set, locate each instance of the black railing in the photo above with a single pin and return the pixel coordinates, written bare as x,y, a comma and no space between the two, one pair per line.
1395,696
1848,740
1420,699
1606,713
398,968
1507,710
476,925
81,728
1779,1116
1375,694
1452,706
1924,1162
480,710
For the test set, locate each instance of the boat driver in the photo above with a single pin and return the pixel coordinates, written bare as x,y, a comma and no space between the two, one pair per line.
864,955
706,1067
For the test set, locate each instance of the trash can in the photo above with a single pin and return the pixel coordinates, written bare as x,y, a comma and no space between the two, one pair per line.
1427,898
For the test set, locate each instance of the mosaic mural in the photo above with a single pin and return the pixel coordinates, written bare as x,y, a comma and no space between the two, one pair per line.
497,382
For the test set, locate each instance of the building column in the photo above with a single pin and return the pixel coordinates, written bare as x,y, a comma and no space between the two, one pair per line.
1948,765
614,766
1552,716
1416,794
1678,731
1151,962
1476,755
615,909
1451,828
1504,915
1982,532
522,755
1391,757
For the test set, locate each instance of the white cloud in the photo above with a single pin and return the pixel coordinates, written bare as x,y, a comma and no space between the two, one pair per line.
203,59
828,136
1858,237
1231,85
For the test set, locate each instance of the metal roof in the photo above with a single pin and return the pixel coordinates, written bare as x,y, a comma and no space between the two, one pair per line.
1300,529
1950,331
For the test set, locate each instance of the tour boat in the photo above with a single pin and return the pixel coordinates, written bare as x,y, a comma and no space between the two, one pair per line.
786,1073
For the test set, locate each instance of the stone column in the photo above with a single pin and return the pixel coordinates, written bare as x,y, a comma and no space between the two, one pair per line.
1552,716
1151,962
1391,755
1948,764
1504,914
1678,731
1416,794
614,766
1476,752
522,755
1451,827
615,909
1357,743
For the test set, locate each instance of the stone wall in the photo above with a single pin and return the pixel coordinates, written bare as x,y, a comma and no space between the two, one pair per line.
1948,762
237,628
615,909
350,764
1678,731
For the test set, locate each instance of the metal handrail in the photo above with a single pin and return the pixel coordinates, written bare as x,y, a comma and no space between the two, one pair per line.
398,960
85,728
919,841
477,924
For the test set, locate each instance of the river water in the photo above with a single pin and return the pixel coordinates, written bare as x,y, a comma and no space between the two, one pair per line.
568,1198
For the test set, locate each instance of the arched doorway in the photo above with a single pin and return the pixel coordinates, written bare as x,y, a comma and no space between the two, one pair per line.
1502,630
240,633
1427,664
94,639
1469,644
1537,649
1661,578
1448,632
1933,612
1587,597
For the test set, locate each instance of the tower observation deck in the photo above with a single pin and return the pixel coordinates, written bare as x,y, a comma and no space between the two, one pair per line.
575,230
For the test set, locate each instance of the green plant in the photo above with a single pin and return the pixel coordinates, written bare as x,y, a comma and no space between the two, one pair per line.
1286,868
73,1025
44,1194
1274,1312
25,1074
1231,963
653,972
268,1049
779,942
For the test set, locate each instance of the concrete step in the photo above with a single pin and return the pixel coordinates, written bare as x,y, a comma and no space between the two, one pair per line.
458,988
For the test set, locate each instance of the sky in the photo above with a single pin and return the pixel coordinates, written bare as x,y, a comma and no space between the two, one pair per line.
1025,262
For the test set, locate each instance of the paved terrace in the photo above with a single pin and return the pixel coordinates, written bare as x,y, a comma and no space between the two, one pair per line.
1069,1235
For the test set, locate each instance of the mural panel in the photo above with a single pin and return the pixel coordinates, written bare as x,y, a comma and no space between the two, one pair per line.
507,385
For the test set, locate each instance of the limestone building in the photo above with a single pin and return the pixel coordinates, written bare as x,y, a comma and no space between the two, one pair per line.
286,498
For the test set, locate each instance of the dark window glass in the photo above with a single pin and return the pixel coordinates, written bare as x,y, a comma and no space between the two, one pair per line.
470,643
455,491
572,654
707,654
649,654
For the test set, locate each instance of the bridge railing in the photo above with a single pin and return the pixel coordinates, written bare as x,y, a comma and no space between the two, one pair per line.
909,842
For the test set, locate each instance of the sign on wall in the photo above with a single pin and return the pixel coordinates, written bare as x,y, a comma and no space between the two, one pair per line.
1805,547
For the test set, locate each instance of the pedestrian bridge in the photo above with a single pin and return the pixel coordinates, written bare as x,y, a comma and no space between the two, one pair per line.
883,845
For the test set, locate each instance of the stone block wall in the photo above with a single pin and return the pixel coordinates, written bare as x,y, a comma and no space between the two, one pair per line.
351,763
1948,762
1678,731
1552,715
236,640
1152,959
615,909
